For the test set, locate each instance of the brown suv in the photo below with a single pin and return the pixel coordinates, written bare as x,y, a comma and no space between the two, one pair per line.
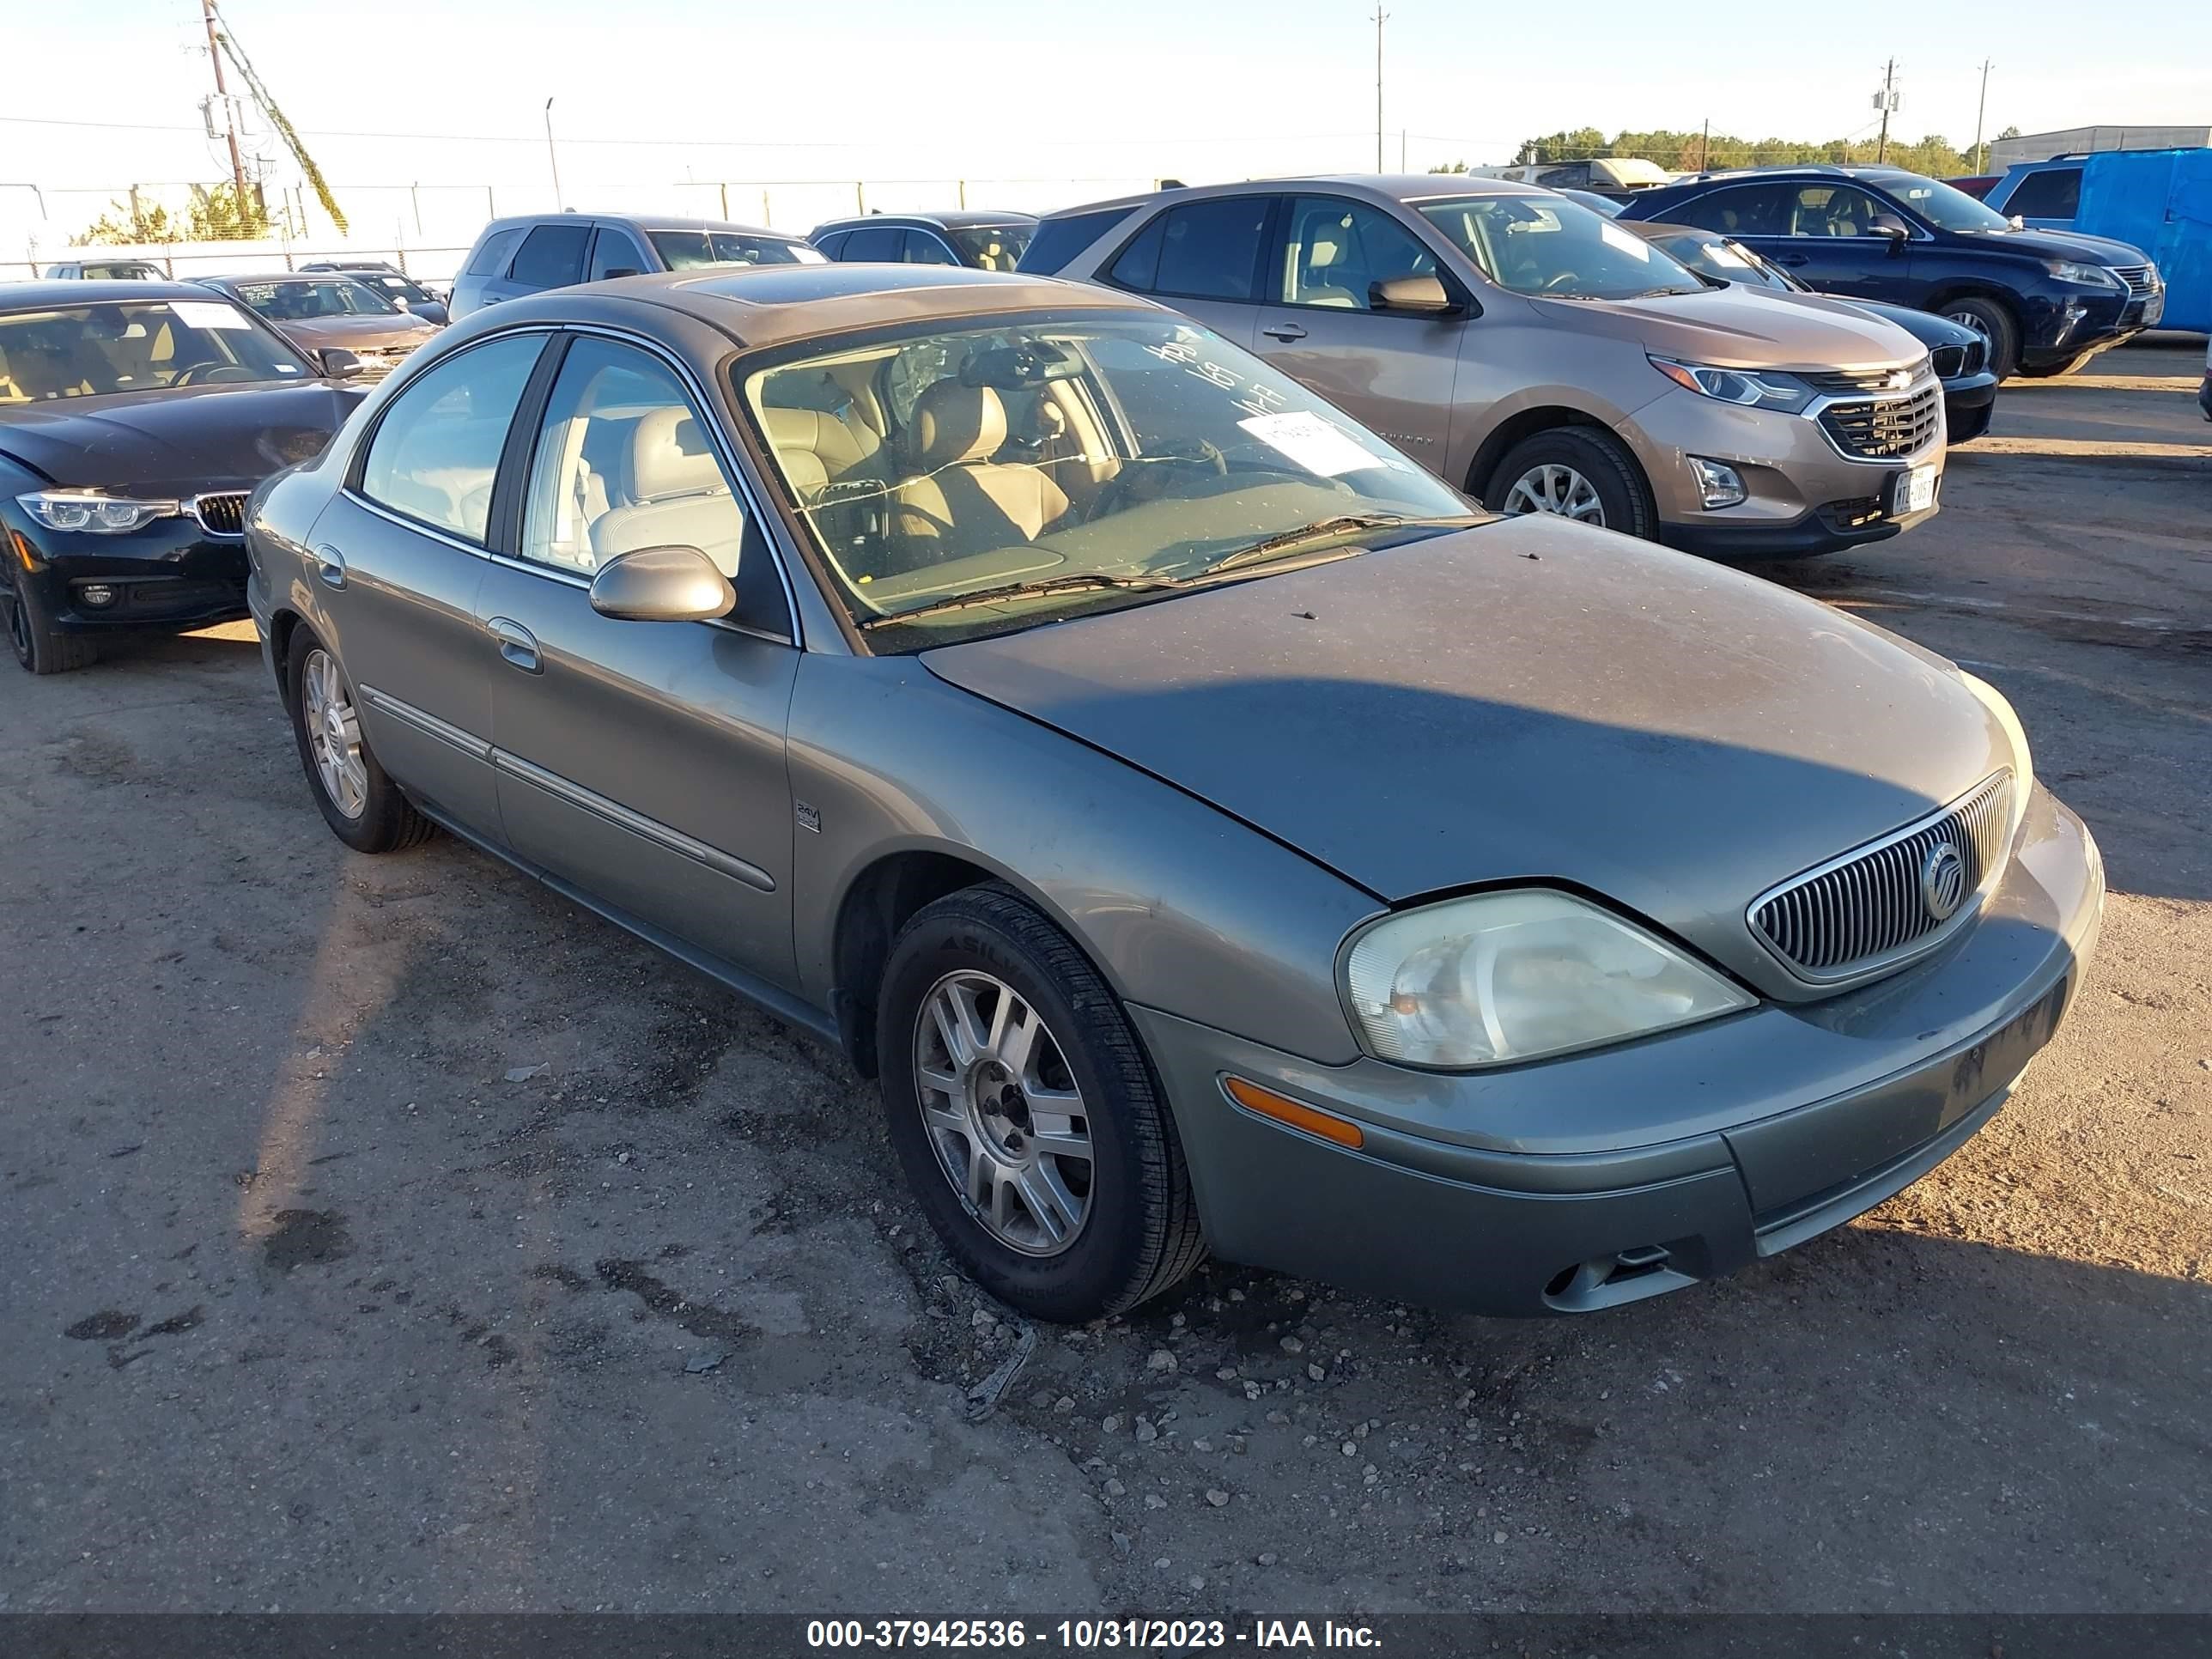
1542,358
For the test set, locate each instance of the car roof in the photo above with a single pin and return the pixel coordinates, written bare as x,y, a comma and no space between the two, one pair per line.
1375,187
773,305
962,219
635,221
66,293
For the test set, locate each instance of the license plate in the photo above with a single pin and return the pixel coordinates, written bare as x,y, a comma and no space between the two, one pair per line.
1914,491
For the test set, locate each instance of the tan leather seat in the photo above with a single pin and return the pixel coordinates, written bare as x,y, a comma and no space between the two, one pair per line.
818,449
1319,286
675,496
955,501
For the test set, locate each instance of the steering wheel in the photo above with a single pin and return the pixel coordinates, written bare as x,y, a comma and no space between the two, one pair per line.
211,374
1200,456
1565,279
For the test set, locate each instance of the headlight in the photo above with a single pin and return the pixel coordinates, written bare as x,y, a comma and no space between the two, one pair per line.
1511,975
92,512
2023,766
2087,276
1766,390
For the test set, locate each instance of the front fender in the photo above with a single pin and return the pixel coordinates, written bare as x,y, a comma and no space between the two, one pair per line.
1180,907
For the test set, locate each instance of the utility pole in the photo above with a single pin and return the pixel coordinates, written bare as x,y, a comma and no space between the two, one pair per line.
229,120
1380,15
1981,110
553,159
1886,97
1705,147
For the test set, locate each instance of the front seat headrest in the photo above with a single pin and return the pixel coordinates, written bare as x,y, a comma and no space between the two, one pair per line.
954,423
669,456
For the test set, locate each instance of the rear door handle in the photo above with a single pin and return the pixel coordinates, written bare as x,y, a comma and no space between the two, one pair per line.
329,565
516,643
1793,259
1284,331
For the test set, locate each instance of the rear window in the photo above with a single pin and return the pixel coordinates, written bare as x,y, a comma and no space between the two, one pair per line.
493,255
2055,194
1200,250
1059,240
552,256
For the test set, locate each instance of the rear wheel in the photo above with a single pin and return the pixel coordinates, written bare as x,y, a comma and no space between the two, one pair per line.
41,648
1994,323
1024,1113
1574,473
363,806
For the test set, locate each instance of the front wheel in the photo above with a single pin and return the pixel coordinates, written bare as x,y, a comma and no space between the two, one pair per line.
363,806
2000,334
39,645
1024,1115
1574,473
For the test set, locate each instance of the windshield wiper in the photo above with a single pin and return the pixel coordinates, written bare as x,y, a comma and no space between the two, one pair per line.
1343,524
1030,590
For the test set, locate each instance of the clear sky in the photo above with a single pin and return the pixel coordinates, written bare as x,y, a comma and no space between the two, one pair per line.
1037,104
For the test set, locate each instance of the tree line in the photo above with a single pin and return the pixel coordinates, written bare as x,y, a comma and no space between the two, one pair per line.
1933,155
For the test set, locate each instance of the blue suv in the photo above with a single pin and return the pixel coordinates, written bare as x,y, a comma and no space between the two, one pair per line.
2045,301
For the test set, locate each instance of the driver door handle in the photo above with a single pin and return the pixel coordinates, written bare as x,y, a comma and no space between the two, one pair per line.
1284,331
329,565
516,643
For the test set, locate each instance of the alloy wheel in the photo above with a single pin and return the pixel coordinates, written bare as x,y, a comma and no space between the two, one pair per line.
1978,326
1003,1113
333,733
1556,490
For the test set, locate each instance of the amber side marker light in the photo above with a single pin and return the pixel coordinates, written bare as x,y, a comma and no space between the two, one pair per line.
1295,1113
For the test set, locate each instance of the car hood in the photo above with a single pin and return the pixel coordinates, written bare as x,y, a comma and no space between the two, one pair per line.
1528,700
1738,327
2064,244
357,333
1924,326
179,440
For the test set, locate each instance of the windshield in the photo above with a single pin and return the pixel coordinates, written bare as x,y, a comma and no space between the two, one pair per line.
296,301
993,247
397,289
1548,246
1942,205
96,351
695,249
1730,262
1137,451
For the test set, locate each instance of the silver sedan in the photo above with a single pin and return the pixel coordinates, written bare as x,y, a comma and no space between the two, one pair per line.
1212,831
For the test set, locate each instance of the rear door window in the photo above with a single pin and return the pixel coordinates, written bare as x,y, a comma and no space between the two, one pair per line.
876,245
2055,193
551,256
435,454
925,248
1741,210
1200,250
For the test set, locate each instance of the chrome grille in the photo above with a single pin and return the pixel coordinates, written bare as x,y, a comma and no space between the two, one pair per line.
1886,427
1867,909
2141,280
1844,381
222,513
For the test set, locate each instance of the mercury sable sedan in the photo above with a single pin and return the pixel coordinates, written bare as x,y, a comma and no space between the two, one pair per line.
1211,831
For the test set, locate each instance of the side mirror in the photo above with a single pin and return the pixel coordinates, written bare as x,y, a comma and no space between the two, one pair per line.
1893,231
662,584
338,363
1414,293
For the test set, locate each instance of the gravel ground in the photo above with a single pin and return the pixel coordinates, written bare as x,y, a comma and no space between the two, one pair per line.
390,1236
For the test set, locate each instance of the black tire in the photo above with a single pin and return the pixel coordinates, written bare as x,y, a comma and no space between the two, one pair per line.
1993,321
40,646
2052,371
1599,456
1141,1234
387,821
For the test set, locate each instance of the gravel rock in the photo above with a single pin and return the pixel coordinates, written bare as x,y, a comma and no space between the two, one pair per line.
1162,1360
1218,1498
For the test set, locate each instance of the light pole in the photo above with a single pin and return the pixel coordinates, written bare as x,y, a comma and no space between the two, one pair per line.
1981,110
1380,15
552,159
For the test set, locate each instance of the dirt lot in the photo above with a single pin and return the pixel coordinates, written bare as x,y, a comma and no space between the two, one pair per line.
314,1306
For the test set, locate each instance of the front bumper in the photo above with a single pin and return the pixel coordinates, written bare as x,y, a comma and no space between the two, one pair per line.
1805,496
2057,331
168,577
1968,402
1602,1178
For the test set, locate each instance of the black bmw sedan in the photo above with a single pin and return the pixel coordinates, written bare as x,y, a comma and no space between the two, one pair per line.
135,418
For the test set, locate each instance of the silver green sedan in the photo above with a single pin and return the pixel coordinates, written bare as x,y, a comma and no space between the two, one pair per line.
1211,832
